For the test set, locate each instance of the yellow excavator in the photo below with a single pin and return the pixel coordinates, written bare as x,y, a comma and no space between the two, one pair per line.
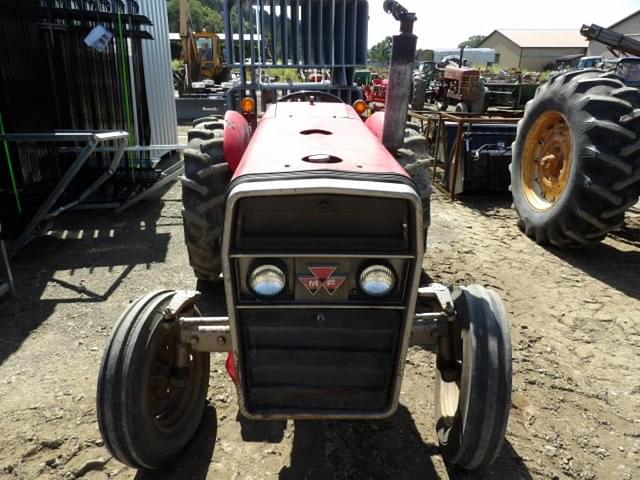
201,53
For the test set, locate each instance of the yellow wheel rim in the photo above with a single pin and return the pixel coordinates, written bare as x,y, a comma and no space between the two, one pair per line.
546,162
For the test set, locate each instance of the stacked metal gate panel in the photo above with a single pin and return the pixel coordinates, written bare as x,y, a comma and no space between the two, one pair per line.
301,34
51,80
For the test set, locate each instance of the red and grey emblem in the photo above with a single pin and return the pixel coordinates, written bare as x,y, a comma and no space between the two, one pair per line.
323,277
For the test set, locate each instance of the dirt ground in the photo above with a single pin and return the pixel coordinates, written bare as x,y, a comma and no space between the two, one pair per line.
576,339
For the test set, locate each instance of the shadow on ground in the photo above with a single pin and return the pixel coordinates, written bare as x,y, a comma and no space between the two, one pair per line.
617,268
378,449
194,462
81,240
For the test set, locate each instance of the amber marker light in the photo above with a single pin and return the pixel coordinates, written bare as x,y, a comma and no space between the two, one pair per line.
248,105
360,106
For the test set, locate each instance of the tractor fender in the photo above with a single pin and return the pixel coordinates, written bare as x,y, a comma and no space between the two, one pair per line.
237,134
375,123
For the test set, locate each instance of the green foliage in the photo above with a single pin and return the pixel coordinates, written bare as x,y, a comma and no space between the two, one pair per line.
177,65
472,42
284,74
205,15
424,55
381,52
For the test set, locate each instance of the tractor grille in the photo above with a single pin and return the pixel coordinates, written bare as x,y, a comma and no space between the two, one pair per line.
316,360
320,353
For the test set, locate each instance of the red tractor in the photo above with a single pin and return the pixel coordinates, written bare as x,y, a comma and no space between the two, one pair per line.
316,222
376,94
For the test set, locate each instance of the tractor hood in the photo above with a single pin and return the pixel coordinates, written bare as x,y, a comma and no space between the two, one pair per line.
299,137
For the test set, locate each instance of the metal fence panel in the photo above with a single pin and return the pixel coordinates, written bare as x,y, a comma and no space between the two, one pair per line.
330,35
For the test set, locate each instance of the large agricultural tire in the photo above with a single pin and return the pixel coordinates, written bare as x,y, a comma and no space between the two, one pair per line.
576,167
418,96
148,409
414,158
473,380
204,187
479,104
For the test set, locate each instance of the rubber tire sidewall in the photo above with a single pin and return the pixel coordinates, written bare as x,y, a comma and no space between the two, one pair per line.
123,368
545,102
477,317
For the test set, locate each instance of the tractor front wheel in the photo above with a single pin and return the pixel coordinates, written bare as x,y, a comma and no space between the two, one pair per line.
473,380
148,408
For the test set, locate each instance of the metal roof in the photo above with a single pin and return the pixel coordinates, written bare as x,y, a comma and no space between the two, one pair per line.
628,17
544,38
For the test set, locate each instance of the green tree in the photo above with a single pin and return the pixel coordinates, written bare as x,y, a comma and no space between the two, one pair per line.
472,42
381,52
423,55
205,15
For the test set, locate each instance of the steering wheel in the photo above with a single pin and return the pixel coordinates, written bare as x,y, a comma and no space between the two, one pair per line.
305,96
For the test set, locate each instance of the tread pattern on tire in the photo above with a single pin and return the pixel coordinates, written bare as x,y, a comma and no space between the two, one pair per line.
415,159
474,438
115,412
207,175
418,95
604,116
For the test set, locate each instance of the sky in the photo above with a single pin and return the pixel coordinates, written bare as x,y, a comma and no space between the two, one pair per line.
446,23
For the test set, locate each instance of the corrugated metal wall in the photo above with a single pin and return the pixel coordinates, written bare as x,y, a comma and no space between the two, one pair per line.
156,57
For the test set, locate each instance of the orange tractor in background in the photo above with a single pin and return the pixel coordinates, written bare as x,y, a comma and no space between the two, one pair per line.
201,53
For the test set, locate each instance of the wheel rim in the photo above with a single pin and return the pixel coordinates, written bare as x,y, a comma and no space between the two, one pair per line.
450,384
172,394
546,162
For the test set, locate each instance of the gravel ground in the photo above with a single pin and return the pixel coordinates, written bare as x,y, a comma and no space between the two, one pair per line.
576,339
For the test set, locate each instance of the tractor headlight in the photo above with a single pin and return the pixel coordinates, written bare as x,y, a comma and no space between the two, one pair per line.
377,281
267,280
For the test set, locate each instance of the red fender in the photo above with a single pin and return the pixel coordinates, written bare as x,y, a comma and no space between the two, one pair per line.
232,368
237,134
375,123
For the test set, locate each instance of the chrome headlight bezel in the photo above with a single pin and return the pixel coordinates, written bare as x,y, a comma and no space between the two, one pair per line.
267,280
377,280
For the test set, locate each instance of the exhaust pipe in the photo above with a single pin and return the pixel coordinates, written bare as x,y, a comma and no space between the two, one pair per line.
403,54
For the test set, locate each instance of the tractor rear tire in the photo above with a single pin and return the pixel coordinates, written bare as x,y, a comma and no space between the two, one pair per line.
148,410
462,107
414,158
575,168
479,104
473,387
204,185
418,96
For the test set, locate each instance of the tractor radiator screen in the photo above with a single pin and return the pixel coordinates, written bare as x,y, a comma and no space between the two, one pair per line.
336,223
315,360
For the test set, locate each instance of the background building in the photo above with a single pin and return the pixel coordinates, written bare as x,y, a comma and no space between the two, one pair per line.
628,26
533,49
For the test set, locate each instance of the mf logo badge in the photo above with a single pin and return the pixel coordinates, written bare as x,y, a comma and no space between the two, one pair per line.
322,278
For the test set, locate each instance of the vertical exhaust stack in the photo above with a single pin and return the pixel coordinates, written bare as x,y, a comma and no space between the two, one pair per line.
400,76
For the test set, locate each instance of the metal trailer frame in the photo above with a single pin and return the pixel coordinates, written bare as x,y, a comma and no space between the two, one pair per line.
6,276
463,121
91,140
312,34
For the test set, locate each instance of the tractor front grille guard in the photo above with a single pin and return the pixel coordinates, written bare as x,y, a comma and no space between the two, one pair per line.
247,320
